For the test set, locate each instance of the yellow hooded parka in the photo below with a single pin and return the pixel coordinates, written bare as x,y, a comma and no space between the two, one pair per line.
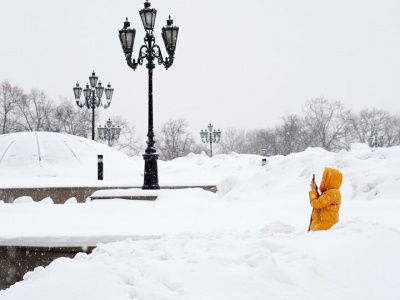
326,206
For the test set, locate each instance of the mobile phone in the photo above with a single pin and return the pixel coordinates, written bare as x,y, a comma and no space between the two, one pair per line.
313,177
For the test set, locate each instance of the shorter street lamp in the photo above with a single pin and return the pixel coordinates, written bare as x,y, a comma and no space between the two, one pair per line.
109,132
373,140
210,136
92,96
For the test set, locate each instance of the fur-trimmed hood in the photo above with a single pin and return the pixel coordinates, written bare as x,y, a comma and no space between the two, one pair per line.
331,179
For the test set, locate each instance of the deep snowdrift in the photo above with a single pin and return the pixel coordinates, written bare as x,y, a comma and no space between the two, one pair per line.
248,241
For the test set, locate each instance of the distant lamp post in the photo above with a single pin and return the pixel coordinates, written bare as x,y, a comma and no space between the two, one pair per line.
109,132
92,96
149,51
210,136
373,140
264,160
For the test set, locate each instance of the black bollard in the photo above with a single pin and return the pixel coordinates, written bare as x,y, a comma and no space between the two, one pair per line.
264,161
99,167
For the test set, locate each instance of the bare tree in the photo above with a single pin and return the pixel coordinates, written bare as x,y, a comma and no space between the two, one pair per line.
174,139
232,140
9,98
68,118
391,131
327,124
259,141
254,144
369,121
291,135
34,111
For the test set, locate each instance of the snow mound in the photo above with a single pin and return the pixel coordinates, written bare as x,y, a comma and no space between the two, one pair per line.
49,159
368,174
23,200
199,169
226,185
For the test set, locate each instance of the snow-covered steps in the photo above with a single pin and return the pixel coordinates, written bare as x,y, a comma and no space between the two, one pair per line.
139,194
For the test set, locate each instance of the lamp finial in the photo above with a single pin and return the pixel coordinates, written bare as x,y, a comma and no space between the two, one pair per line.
169,21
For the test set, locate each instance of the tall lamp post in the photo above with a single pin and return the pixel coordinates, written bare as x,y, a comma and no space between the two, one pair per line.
149,51
373,140
92,95
210,136
109,132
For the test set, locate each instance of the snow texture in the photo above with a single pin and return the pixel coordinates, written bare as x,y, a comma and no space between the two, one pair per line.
248,241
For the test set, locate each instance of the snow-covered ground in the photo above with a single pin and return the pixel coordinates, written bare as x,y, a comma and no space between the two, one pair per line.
248,241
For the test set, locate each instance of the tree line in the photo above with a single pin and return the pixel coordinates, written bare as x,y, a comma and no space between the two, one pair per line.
34,111
323,123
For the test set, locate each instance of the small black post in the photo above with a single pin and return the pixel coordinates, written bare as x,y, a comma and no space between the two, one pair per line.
264,161
99,167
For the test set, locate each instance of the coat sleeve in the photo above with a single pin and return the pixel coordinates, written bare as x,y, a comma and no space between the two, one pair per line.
321,201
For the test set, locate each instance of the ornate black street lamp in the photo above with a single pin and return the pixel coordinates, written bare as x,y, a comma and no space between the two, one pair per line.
92,95
210,136
149,51
373,140
109,132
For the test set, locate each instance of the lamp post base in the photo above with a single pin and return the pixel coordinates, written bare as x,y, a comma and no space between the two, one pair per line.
150,172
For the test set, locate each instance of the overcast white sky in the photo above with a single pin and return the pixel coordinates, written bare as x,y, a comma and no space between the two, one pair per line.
238,63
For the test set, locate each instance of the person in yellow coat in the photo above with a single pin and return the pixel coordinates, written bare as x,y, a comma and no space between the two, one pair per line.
326,205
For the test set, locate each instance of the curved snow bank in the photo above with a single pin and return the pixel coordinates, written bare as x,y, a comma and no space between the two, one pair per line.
355,260
49,159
